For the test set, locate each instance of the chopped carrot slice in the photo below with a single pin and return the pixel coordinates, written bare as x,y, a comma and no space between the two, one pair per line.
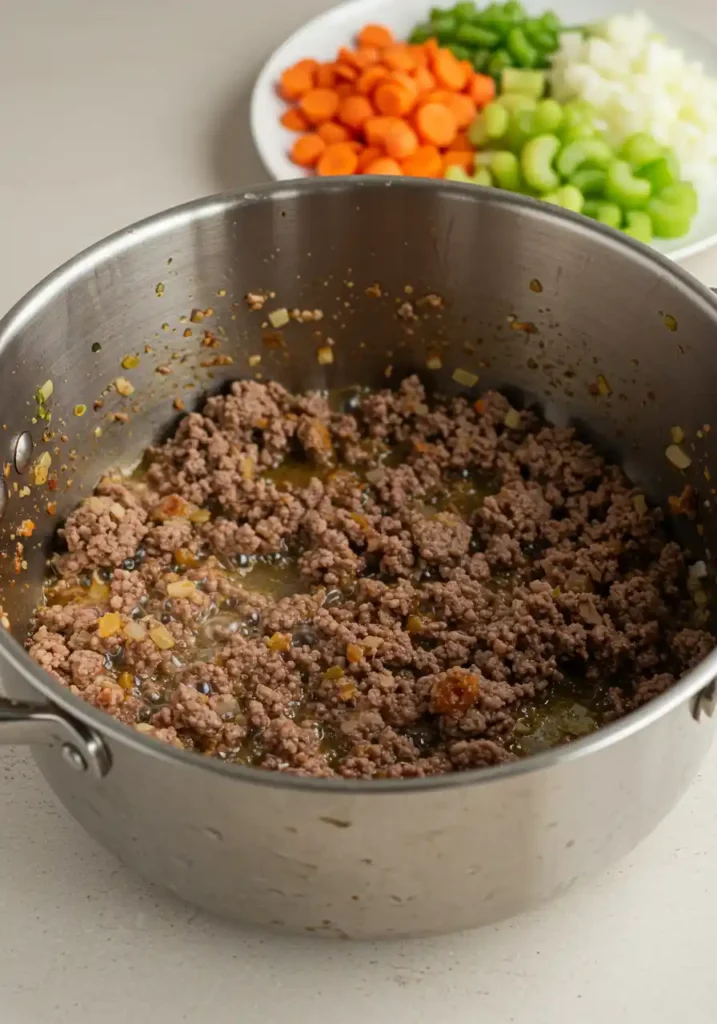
307,150
330,132
384,165
430,48
400,141
319,105
398,57
346,72
426,162
294,120
295,82
449,71
396,96
436,124
481,89
344,89
338,158
462,107
325,76
459,158
368,156
375,35
424,79
460,144
419,54
375,129
354,110
308,64
366,57
370,78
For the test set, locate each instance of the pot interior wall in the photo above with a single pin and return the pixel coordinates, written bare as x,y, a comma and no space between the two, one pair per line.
595,332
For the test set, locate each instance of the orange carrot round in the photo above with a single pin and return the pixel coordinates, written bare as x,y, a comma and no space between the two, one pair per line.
370,78
296,82
369,154
338,158
346,72
375,129
325,76
436,124
396,96
331,132
462,107
354,111
307,150
294,120
365,57
398,57
449,71
459,158
460,144
377,36
400,141
319,105
384,165
426,162
481,89
425,80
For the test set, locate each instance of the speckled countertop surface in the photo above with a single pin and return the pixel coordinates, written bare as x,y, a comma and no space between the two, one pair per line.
109,113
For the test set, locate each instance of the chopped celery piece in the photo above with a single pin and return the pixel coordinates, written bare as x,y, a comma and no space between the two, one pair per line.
605,213
548,117
536,162
505,168
662,172
640,149
520,129
568,197
624,188
500,60
461,52
455,173
590,181
464,11
583,152
682,193
669,220
513,101
523,81
638,225
495,120
477,131
482,177
444,27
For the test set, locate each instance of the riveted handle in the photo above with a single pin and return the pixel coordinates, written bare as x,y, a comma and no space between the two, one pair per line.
29,723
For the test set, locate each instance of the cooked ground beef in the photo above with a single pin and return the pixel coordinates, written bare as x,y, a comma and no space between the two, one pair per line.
392,589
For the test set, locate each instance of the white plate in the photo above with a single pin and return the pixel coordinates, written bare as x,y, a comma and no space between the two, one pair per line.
321,38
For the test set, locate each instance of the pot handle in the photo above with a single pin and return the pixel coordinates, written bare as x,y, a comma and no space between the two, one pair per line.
30,723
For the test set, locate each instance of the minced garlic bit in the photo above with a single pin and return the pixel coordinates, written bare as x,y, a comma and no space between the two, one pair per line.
255,300
126,680
279,317
678,435
254,360
196,316
130,362
639,504
536,286
325,355
26,528
178,404
134,631
79,410
109,624
124,387
159,290
465,378
678,458
42,468
162,638
512,419
199,516
354,653
181,588
97,431
603,388
434,361
333,673
279,642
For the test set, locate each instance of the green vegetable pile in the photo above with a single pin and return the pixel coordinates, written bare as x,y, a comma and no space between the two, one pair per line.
500,36
530,144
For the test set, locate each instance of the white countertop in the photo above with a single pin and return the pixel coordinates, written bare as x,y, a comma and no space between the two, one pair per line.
109,112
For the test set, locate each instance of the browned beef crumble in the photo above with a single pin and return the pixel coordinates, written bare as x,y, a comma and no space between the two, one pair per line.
395,589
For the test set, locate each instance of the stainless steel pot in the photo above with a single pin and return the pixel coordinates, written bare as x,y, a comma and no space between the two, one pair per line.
337,857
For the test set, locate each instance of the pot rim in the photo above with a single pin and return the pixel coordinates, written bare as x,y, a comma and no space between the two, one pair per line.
13,654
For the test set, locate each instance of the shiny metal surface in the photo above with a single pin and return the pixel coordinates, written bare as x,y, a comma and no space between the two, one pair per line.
329,856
